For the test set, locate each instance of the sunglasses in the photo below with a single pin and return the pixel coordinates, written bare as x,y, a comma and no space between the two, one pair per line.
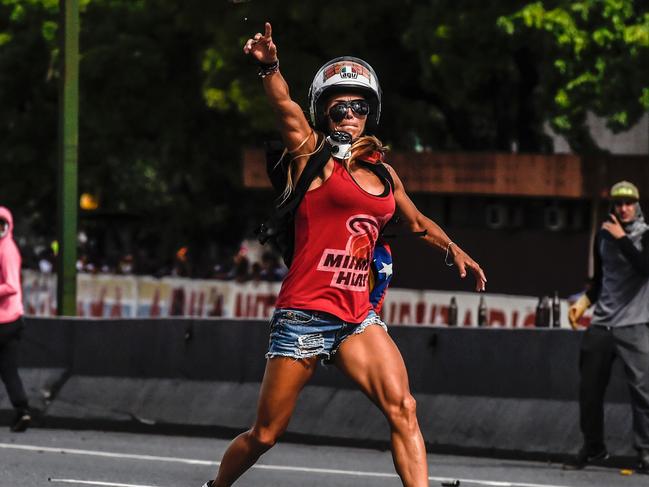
339,111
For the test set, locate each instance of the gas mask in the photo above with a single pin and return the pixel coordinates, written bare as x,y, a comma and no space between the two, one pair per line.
341,144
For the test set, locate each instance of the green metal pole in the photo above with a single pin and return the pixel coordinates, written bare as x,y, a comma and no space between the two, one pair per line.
68,154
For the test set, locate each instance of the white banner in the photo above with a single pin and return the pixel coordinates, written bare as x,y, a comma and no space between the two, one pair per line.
115,296
412,307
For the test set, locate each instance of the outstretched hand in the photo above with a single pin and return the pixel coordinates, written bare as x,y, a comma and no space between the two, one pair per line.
463,261
261,46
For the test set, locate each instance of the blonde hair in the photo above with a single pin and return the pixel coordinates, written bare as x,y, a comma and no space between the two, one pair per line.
288,189
361,148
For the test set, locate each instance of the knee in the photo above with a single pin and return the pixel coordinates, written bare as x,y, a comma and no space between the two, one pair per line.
402,412
263,439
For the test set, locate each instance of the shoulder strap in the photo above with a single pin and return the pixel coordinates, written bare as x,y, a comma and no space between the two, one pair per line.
276,164
382,172
312,168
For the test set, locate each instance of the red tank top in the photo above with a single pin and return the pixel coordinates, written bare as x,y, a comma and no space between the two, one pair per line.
336,227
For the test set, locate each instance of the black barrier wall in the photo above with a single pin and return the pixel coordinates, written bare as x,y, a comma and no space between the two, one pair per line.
520,363
478,389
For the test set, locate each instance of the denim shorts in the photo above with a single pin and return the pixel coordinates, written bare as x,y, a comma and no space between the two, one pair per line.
302,334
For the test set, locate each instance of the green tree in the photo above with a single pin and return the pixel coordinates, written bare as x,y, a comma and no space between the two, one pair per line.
473,86
150,146
595,57
168,100
28,118
452,79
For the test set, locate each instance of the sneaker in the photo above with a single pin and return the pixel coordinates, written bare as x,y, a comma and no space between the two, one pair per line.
208,484
586,457
643,462
21,422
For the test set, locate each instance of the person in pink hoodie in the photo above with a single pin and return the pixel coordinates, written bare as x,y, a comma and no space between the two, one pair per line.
11,321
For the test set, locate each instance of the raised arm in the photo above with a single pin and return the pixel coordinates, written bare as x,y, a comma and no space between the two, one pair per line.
435,236
297,134
639,259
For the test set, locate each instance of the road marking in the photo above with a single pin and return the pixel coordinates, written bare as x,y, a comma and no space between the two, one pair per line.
96,453
98,483
282,468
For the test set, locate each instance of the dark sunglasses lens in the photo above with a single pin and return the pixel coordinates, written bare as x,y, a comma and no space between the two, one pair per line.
338,112
360,107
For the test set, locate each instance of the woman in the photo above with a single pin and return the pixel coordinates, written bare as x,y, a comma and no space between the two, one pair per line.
11,321
323,309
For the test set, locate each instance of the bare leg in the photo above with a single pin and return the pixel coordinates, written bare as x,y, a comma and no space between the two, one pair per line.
283,380
373,361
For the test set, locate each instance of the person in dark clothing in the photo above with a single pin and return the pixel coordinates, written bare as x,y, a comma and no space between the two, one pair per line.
11,321
620,325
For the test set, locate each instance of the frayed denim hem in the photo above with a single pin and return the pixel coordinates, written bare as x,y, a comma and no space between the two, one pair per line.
373,320
297,356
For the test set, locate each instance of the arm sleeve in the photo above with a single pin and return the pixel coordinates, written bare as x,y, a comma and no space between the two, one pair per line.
638,259
8,282
596,283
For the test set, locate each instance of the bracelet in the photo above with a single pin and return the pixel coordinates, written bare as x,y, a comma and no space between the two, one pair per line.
266,69
448,248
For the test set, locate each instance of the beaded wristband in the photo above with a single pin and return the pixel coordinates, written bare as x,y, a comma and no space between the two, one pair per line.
266,69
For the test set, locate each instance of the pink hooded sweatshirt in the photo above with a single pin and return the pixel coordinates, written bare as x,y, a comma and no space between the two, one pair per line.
11,295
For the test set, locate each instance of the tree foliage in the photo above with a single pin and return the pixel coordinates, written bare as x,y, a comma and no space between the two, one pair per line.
28,118
452,79
150,147
168,99
595,58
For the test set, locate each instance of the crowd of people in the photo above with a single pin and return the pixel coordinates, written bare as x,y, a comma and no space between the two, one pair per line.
249,262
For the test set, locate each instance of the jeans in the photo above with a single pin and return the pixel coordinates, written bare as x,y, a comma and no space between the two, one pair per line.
10,334
302,334
599,347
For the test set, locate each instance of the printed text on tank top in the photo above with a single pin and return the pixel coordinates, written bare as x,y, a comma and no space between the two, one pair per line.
337,226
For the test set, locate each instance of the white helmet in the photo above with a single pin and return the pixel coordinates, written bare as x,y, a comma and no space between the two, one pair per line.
344,73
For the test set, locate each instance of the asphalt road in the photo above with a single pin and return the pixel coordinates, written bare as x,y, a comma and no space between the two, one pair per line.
95,458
